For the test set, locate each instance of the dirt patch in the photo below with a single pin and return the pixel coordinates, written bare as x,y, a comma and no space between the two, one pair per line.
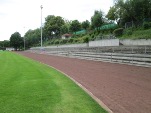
123,88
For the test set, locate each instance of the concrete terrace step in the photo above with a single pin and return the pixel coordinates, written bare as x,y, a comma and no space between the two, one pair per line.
116,49
138,55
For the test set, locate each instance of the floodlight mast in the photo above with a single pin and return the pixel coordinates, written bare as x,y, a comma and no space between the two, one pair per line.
41,24
24,39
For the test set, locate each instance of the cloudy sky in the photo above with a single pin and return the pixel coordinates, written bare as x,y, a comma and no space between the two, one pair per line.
22,15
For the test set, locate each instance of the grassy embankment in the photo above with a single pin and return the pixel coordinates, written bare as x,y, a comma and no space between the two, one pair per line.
27,86
127,34
137,34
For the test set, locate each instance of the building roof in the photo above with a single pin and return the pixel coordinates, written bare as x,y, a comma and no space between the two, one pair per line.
67,35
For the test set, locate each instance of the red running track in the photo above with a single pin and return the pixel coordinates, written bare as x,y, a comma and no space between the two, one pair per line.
123,88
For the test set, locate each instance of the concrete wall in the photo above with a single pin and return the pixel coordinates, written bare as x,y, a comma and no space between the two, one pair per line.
128,42
99,43
107,42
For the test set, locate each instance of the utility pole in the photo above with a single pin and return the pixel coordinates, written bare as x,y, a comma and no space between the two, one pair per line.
24,39
41,24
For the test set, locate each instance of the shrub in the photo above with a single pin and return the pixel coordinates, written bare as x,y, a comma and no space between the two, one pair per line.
92,36
52,42
128,31
80,40
118,32
61,42
70,40
49,43
92,39
146,25
86,39
75,40
56,42
149,24
64,41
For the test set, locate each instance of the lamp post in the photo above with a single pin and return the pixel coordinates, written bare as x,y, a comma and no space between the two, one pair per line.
41,24
24,39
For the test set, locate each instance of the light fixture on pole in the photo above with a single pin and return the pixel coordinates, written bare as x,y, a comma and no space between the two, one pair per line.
24,39
41,24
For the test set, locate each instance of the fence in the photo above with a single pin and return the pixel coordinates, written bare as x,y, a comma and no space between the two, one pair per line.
138,55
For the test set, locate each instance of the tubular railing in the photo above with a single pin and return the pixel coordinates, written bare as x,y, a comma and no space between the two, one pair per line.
140,55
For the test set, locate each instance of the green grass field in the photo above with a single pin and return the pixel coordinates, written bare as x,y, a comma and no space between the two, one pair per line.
27,86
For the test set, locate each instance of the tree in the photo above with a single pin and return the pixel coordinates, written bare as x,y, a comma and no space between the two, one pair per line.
64,29
52,25
75,26
130,10
112,14
16,40
85,24
97,19
1,43
5,43
33,37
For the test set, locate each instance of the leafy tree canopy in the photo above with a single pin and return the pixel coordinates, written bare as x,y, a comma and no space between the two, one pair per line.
130,10
85,24
75,26
5,43
32,37
53,24
16,40
97,19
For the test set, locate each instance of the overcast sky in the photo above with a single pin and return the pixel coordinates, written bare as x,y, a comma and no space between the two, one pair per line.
22,15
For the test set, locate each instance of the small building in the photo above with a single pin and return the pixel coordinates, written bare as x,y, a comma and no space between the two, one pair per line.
65,36
10,49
